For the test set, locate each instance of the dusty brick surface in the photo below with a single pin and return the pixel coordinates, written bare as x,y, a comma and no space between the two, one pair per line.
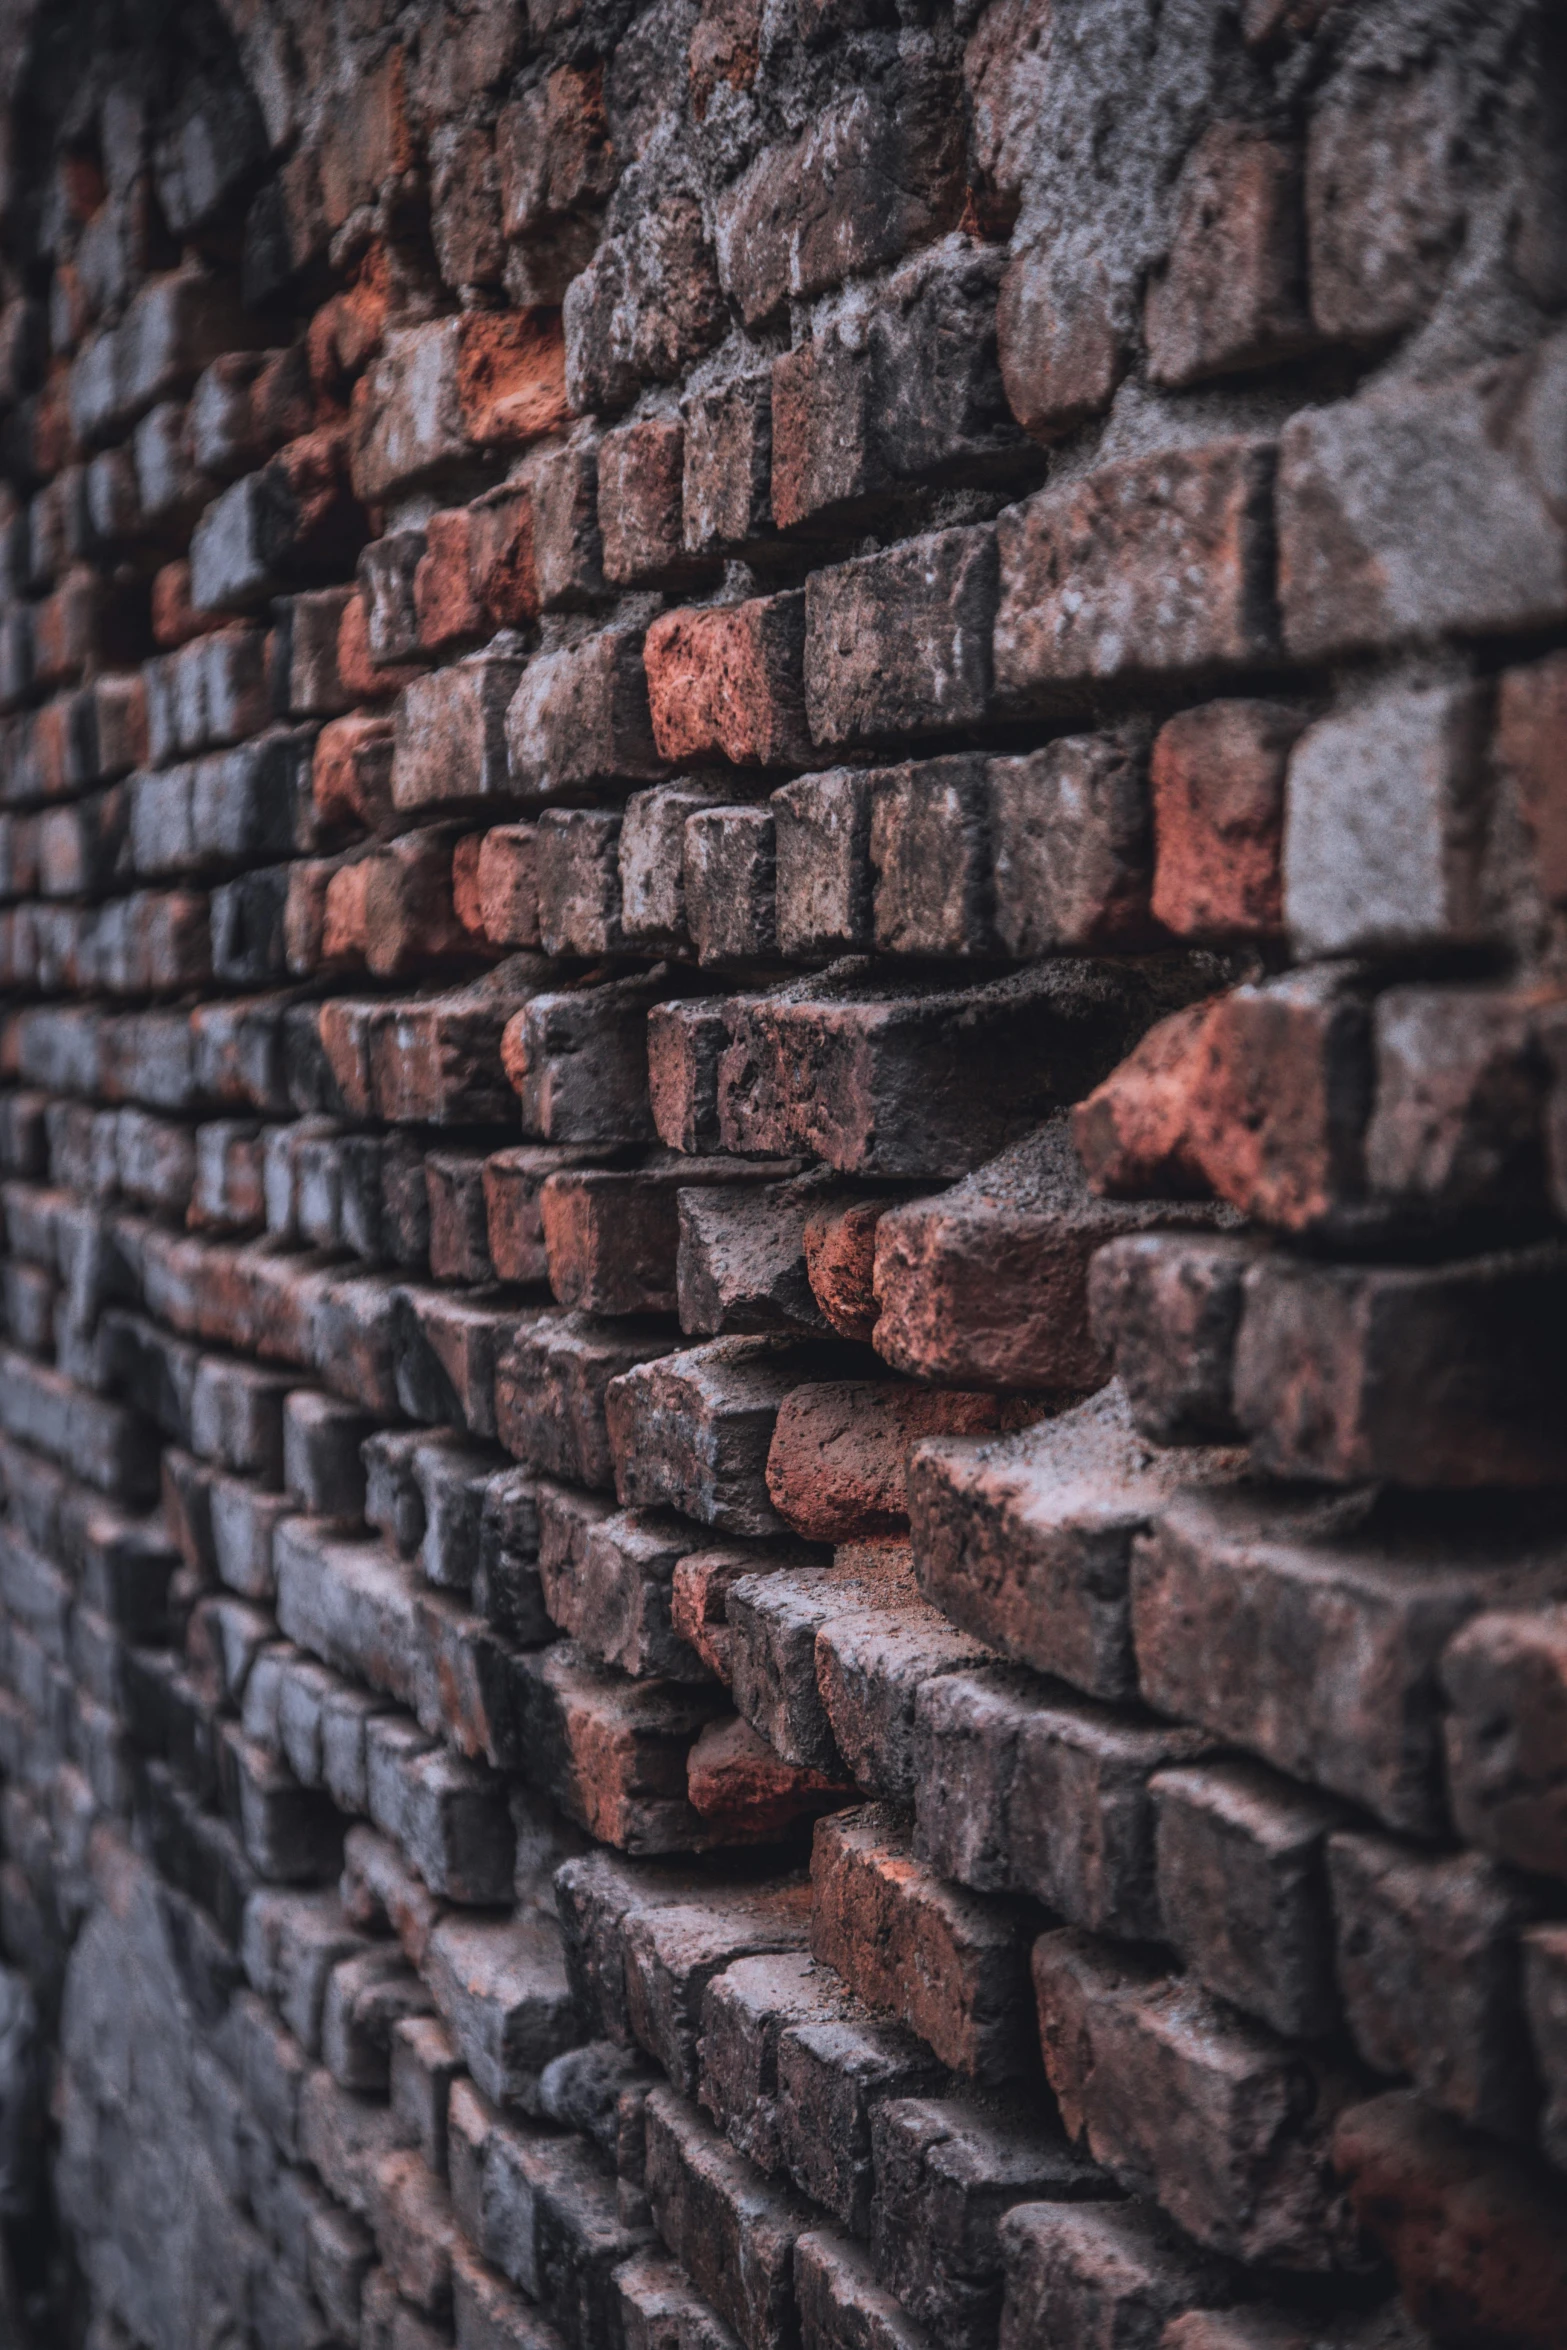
783,1124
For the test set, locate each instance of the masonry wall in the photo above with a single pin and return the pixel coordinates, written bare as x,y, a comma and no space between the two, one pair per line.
783,1115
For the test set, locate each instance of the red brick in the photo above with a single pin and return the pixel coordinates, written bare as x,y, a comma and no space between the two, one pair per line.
1473,2234
447,606
837,1461
949,1965
1150,567
989,1282
640,471
728,678
1218,813
799,219
439,392
1232,294
1531,715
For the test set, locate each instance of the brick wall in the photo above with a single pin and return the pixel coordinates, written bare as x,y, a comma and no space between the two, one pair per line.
783,1140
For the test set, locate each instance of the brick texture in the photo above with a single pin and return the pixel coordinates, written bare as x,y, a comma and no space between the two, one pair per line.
783,1145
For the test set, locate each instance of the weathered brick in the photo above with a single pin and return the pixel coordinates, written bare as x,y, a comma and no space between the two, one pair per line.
1006,1774
1433,1377
1029,1218
440,395
900,643
1218,813
800,219
1356,569
1472,2232
948,1965
1226,2126
1505,1677
1154,566
1243,1890
1316,1651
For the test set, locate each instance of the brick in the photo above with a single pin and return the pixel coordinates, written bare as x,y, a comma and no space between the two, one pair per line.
726,464
1341,1638
1400,777
1472,2233
1231,296
741,1265
690,1432
1087,797
1261,1095
826,453
836,1461
728,678
1218,777
440,394
1169,1306
927,1081
449,746
822,830
278,528
1529,703
612,1752
1006,1774
732,2232
447,609
508,885
728,882
674,1949
699,1592
459,1228
945,1964
948,2170
513,1182
1384,199
613,1236
578,1059
1243,1890
1224,2125
1336,1372
613,1598
1352,571
1544,1953
1457,1120
873,1658
1505,1678
798,220
551,1385
839,1242
649,302
900,643
640,470
568,552
652,877
1100,2274
936,1262
581,717
1080,602
773,1619
1428,1965
502,1989
734,1779
388,614
841,2302
578,872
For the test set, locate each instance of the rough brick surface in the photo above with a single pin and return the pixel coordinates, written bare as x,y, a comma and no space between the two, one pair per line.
783,1127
